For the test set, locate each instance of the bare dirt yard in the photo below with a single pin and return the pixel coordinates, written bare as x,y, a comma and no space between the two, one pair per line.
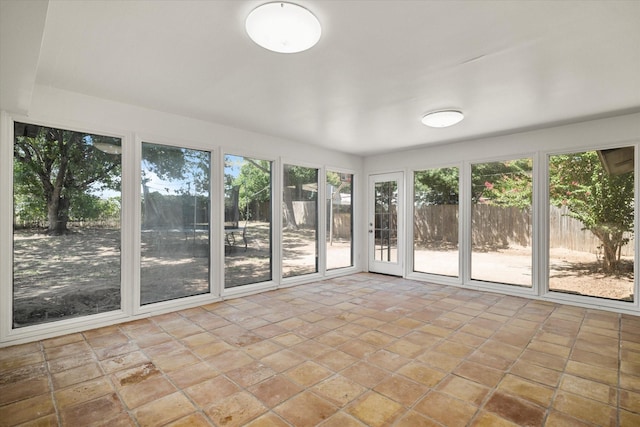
77,274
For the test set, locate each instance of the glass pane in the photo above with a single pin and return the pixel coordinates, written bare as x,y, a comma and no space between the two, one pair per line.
66,224
435,221
175,223
299,221
339,220
501,222
591,217
247,221
386,222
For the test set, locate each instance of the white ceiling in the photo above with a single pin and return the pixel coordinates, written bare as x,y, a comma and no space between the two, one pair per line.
379,65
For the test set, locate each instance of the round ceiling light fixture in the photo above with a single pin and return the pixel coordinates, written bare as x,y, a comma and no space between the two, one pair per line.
442,118
283,27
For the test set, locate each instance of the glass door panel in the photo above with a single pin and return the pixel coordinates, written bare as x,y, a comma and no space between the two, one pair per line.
175,223
66,224
502,222
385,252
247,221
435,221
299,221
339,220
591,220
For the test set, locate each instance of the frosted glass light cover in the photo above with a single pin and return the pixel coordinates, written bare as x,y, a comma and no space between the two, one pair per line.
283,27
442,119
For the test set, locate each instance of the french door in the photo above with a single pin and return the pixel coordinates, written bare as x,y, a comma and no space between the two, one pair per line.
386,223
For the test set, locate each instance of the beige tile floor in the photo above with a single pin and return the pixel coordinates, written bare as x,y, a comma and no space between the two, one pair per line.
358,350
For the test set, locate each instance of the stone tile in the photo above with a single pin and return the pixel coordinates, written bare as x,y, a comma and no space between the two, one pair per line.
489,419
584,409
405,348
589,389
365,374
164,410
358,348
140,393
480,374
533,392
422,373
558,419
375,410
446,409
629,418
235,410
250,374
230,360
125,361
28,409
545,360
401,390
191,420
339,390
211,391
16,391
275,390
212,349
83,392
192,374
268,420
105,410
336,360
464,389
135,374
536,373
308,373
515,410
306,409
340,419
388,360
439,360
415,419
282,360
76,375
607,376
261,349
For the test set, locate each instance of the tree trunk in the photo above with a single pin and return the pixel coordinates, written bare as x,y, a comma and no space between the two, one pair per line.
58,215
289,217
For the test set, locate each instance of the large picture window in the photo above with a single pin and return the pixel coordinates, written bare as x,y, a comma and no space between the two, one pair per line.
339,220
66,224
247,221
299,221
175,223
501,222
435,221
591,218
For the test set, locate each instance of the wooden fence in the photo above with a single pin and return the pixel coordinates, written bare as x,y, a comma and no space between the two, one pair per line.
496,226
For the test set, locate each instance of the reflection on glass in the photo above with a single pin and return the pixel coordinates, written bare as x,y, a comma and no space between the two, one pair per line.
386,222
247,221
591,217
339,220
175,223
501,222
435,221
299,221
66,224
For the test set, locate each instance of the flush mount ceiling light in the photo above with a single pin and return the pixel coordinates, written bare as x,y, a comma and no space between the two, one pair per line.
283,27
443,118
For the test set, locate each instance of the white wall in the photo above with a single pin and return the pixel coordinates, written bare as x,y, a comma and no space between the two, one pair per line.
596,133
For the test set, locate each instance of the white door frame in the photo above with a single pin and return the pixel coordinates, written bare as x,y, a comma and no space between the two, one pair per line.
394,266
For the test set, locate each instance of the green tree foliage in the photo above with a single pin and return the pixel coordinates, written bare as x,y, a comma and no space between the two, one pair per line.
604,203
437,186
54,167
506,183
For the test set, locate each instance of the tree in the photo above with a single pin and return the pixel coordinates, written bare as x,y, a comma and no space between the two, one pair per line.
603,202
58,166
